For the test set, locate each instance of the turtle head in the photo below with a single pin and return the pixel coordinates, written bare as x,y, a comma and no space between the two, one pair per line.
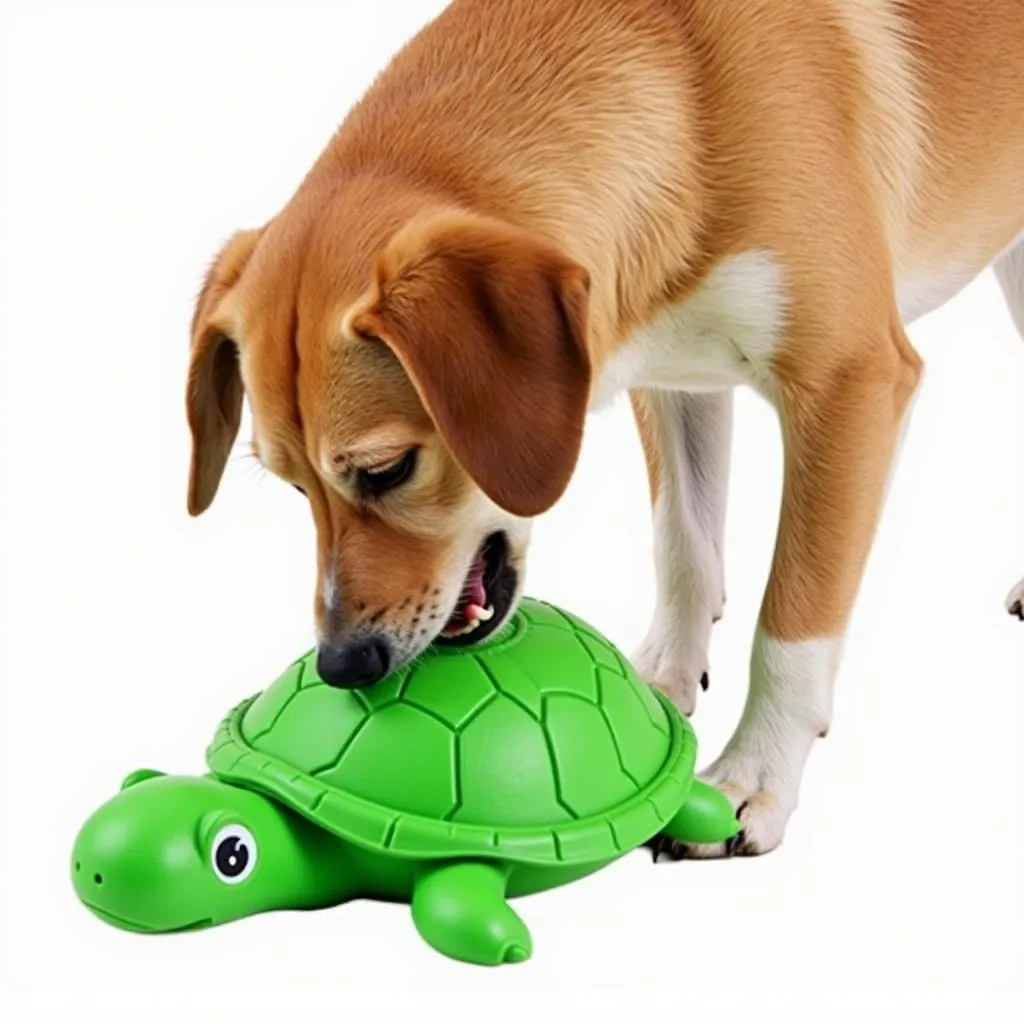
171,853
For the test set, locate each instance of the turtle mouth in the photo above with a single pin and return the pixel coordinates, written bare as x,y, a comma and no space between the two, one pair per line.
136,926
486,596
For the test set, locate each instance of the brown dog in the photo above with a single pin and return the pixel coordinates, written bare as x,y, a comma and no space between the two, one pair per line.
543,203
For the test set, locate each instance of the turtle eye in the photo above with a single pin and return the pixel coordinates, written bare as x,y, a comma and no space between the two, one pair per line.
233,854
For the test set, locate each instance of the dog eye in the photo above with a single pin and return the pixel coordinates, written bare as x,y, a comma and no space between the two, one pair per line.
301,490
376,481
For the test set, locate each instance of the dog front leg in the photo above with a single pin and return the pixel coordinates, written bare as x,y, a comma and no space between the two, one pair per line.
686,439
841,410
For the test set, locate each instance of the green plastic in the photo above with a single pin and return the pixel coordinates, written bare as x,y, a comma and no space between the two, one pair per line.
475,775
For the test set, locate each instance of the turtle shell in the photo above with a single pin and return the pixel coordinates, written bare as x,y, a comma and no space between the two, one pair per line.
540,746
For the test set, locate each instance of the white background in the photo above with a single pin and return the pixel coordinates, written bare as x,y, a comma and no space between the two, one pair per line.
135,140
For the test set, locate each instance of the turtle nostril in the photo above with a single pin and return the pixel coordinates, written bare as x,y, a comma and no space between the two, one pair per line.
98,878
78,866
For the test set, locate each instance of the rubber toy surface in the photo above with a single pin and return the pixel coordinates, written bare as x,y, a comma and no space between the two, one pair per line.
475,775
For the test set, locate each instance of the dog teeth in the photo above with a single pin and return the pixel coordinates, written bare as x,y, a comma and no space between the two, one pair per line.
451,631
474,616
475,613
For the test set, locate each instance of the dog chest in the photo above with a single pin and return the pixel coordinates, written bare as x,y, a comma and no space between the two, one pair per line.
721,335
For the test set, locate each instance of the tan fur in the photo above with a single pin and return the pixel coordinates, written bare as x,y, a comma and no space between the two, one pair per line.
513,151
214,390
970,195
889,113
463,303
840,441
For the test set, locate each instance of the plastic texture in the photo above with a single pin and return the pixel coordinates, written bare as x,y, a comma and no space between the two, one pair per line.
542,746
475,775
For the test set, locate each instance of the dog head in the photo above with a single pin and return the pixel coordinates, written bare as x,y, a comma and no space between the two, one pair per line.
423,379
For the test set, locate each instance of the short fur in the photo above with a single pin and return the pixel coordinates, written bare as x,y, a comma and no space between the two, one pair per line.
545,202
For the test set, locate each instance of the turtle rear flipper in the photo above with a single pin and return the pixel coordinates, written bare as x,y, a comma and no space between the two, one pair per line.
460,910
705,817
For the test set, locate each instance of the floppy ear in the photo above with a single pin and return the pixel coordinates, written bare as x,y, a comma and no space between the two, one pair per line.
213,396
490,323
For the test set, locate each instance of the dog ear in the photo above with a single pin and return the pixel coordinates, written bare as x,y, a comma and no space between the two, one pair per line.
213,396
490,324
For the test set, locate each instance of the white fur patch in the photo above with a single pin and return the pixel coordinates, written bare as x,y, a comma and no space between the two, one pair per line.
789,705
692,434
722,335
920,292
329,588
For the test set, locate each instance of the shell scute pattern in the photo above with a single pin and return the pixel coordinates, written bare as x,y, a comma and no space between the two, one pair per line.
312,728
263,713
376,763
511,680
538,750
428,690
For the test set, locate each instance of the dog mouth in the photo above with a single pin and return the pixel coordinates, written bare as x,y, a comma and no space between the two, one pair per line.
486,595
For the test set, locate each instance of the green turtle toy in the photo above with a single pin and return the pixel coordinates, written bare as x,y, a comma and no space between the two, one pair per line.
471,776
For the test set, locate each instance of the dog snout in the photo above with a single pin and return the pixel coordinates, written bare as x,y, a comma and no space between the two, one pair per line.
354,663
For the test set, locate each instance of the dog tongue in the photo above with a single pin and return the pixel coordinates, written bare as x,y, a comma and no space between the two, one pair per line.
472,602
475,591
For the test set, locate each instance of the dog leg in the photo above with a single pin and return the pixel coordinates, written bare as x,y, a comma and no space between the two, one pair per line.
1009,270
841,420
686,439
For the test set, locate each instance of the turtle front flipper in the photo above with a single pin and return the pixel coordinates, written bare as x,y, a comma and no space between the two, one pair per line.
460,909
705,817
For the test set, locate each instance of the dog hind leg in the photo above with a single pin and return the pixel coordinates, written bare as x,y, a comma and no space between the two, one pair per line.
1009,270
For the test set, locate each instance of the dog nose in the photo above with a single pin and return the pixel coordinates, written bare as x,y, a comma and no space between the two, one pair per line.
358,663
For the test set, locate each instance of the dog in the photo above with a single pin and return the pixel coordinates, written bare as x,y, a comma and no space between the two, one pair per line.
541,204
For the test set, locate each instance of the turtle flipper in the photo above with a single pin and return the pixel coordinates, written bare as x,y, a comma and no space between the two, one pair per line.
460,910
705,817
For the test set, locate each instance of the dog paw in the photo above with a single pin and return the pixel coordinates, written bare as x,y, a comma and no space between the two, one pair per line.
678,669
763,808
664,847
788,707
1015,601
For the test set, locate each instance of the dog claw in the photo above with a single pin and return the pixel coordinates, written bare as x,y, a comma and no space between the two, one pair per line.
662,843
733,844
